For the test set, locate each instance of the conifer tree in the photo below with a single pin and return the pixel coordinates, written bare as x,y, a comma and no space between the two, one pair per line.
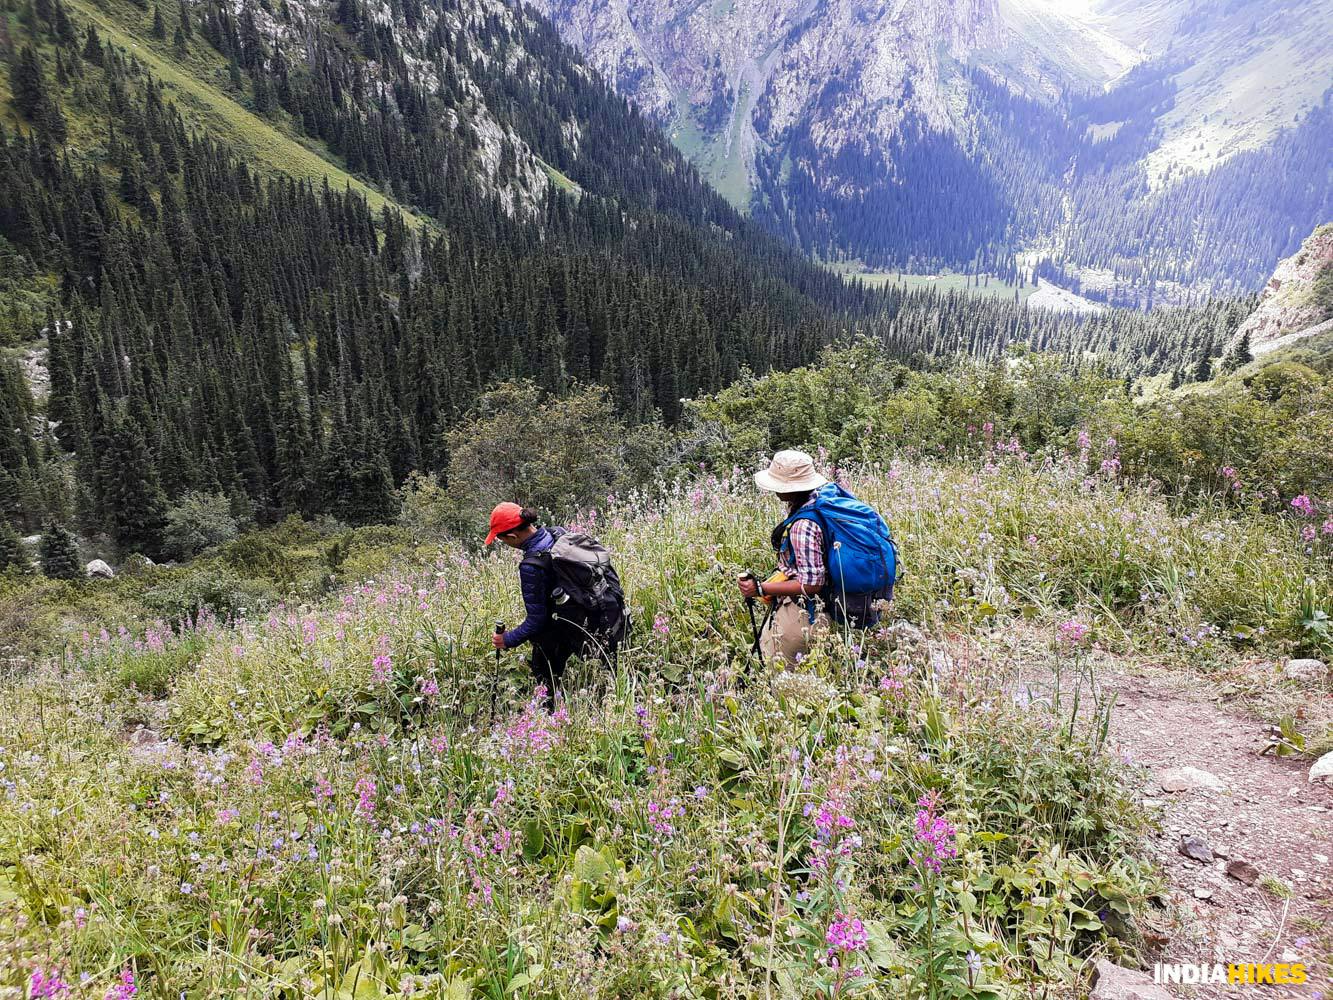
13,558
59,553
159,25
131,494
64,29
26,83
92,47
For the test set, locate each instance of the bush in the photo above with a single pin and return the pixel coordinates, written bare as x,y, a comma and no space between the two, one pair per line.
198,522
219,590
425,509
552,453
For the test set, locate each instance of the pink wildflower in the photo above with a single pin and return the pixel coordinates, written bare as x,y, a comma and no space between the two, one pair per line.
323,789
46,984
844,936
660,626
1073,632
935,834
365,798
1303,505
125,989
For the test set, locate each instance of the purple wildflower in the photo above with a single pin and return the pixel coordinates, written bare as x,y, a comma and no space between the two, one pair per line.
935,834
125,989
844,936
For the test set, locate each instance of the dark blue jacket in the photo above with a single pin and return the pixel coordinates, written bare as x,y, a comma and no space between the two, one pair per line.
536,591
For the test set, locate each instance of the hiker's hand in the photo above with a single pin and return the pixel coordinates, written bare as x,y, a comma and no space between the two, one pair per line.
498,641
748,586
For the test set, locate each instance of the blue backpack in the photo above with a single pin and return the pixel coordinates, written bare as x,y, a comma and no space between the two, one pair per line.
859,551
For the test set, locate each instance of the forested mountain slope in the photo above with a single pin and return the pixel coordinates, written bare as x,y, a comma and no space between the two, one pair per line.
939,135
224,309
277,255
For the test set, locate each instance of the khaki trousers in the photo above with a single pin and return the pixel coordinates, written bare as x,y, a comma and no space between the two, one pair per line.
788,631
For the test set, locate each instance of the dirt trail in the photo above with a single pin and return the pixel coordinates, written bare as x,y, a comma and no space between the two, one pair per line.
1265,812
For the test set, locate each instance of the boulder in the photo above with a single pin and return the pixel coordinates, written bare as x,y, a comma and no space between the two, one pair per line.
1184,779
1243,871
1310,671
1114,982
99,568
1323,769
1196,849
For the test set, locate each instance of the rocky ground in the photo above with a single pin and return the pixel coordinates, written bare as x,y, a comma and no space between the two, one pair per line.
1245,837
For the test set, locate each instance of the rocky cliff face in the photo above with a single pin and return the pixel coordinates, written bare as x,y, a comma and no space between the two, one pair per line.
730,77
1298,300
943,133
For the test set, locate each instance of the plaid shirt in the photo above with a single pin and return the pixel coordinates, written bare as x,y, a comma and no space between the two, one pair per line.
806,540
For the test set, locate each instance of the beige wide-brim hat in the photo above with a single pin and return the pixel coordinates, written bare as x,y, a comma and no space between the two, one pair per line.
790,472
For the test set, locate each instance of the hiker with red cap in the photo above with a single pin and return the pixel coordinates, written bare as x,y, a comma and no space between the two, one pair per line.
837,562
572,595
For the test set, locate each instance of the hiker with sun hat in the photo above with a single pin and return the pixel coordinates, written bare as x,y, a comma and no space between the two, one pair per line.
836,559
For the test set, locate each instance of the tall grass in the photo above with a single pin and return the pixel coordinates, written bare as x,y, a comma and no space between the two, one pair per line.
336,810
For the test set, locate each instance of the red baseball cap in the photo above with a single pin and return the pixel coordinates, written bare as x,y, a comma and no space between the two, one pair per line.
506,517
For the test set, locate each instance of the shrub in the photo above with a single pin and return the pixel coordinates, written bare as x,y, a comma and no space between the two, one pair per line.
215,588
552,453
425,509
199,521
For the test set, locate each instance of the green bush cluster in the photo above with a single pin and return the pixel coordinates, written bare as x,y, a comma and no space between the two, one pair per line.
1271,423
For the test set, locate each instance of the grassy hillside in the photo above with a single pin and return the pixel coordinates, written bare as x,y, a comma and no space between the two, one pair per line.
328,805
199,86
349,795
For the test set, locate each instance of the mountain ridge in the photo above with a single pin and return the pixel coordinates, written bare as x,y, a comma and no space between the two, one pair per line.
833,123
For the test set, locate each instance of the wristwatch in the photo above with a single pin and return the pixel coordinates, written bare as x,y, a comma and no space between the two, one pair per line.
759,587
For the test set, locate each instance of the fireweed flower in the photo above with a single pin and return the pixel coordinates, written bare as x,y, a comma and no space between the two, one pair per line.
660,626
845,936
534,731
382,665
46,984
1072,632
365,798
1303,505
935,834
323,789
125,989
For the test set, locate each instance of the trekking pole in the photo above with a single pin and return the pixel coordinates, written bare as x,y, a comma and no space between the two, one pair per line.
495,680
754,624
